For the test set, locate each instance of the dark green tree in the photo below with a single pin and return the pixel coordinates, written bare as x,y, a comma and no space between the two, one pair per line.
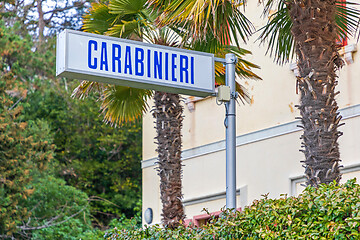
103,162
31,199
19,152
58,211
100,160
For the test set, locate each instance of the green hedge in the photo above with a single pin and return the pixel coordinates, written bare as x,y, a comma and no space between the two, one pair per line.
328,212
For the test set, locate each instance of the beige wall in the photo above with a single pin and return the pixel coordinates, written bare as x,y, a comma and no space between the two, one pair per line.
268,160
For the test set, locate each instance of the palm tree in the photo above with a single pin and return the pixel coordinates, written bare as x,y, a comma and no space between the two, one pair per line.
311,29
135,20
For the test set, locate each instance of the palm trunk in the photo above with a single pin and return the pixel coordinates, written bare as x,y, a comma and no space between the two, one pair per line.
315,36
168,114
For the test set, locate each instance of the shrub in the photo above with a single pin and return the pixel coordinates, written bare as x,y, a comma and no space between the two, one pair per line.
52,204
118,223
327,212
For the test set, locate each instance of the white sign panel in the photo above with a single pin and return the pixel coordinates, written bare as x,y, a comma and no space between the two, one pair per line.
92,57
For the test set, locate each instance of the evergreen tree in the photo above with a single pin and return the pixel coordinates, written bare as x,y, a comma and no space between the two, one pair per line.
19,152
31,199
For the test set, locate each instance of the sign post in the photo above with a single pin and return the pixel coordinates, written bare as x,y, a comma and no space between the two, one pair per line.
230,61
228,95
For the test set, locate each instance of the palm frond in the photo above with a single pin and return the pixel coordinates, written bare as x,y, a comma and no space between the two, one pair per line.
164,36
98,20
85,87
277,32
157,3
223,18
243,67
121,104
211,45
347,19
132,19
126,7
126,29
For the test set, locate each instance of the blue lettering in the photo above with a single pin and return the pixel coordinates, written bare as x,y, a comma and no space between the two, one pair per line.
116,48
90,64
139,59
166,66
148,63
184,64
157,64
104,60
173,67
128,67
192,70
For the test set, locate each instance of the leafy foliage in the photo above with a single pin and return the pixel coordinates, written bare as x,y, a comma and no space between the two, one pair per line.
328,212
19,151
58,210
100,160
278,33
207,16
45,138
120,223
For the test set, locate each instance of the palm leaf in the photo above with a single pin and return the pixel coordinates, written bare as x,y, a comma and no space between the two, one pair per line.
278,33
126,7
164,36
243,70
98,20
126,29
121,104
222,18
85,87
347,19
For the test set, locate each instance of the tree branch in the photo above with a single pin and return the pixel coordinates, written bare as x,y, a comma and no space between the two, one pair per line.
7,236
11,108
49,223
56,10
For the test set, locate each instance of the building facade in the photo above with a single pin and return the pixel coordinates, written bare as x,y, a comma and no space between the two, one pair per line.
268,157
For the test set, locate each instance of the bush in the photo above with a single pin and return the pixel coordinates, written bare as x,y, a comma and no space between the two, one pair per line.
117,223
327,212
52,203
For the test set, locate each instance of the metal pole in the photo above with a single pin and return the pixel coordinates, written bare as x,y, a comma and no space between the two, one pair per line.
230,59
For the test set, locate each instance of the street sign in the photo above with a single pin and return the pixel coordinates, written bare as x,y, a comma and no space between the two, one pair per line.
99,58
